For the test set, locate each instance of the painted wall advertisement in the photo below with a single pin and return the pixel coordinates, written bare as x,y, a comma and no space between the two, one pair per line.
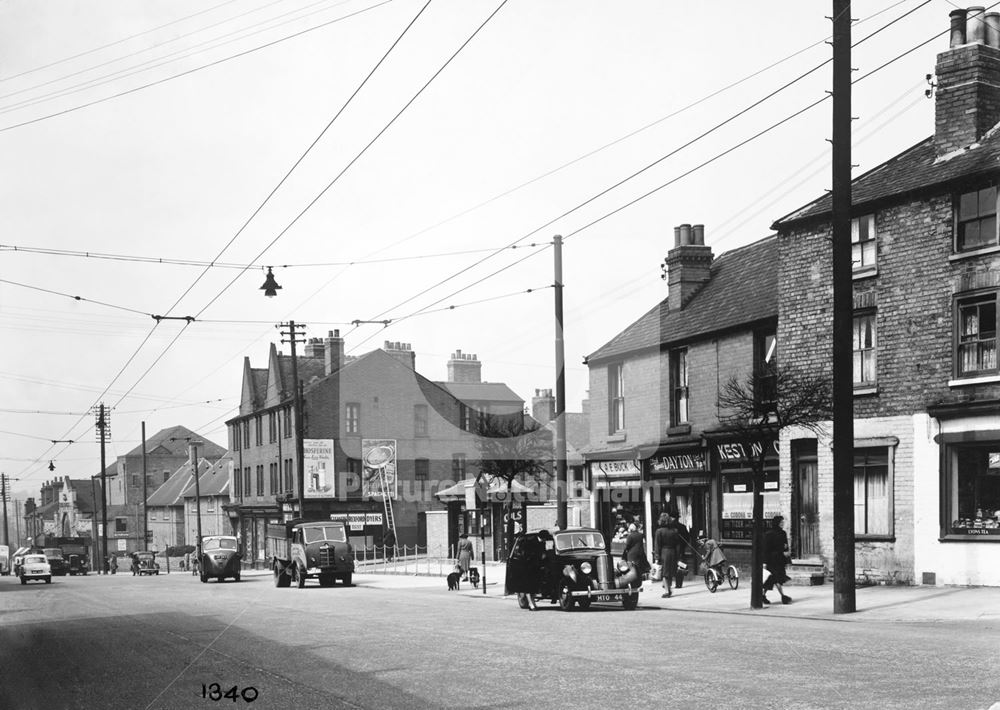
378,459
318,459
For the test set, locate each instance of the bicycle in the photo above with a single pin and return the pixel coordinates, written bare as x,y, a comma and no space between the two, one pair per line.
715,575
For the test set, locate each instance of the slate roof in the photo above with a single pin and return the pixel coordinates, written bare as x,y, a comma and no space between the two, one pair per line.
172,491
310,369
742,288
481,391
258,380
174,441
214,481
913,171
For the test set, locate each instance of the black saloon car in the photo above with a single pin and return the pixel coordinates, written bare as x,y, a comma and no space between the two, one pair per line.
144,562
220,558
569,567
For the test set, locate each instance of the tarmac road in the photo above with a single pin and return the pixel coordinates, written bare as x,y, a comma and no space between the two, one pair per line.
406,642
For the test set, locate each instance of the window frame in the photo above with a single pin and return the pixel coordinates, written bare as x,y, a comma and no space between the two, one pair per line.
765,369
260,479
680,390
287,412
959,222
616,398
421,469
352,417
859,267
121,524
890,455
459,466
952,444
968,299
464,417
421,427
872,349
258,427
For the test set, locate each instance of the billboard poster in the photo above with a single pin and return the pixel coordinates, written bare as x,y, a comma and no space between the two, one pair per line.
378,461
318,459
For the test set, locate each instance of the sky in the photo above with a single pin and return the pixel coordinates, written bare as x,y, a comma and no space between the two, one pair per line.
382,156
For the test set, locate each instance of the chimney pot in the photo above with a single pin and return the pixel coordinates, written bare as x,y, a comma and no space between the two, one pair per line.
698,234
677,236
685,234
957,27
993,29
975,25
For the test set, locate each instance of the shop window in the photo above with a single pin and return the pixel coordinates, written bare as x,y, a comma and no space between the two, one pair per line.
873,492
864,342
352,418
765,371
972,489
863,243
616,398
976,355
421,469
736,521
420,420
678,388
976,219
121,525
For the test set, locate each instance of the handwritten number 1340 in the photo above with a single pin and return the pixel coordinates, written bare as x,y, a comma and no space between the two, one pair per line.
214,691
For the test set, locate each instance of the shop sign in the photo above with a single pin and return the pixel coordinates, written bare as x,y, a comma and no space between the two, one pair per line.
617,483
678,462
378,458
339,517
318,457
373,518
616,469
356,521
735,451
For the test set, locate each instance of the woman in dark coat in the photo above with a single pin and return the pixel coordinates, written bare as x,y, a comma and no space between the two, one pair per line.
464,555
775,557
635,549
666,550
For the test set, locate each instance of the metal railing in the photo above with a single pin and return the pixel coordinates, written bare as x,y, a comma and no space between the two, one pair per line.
405,559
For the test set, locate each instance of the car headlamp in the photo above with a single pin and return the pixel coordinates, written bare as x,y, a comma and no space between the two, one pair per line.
623,566
586,568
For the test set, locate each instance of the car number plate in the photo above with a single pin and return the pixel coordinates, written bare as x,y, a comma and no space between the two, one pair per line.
605,598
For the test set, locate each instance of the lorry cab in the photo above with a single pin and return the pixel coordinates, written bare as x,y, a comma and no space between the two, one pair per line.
316,549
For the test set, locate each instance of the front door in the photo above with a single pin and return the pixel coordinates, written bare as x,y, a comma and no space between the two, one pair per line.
524,568
808,508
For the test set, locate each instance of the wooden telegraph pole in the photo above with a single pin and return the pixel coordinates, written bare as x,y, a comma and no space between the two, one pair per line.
300,464
561,477
843,388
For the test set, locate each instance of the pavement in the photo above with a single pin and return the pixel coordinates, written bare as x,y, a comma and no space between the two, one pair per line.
924,604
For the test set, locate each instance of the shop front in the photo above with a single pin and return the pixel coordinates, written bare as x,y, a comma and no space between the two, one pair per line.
732,464
618,499
679,482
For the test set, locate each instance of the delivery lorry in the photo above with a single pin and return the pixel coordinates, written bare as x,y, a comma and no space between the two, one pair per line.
312,549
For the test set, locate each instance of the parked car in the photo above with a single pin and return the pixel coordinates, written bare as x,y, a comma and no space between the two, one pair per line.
221,557
78,565
144,562
55,557
35,566
17,559
569,567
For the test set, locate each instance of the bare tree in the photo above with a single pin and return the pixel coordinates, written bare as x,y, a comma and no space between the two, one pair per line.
512,446
755,409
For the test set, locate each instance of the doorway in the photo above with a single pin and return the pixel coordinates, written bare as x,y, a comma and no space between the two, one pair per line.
806,499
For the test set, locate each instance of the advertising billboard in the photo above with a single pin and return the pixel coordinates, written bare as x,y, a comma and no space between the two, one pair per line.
378,461
318,459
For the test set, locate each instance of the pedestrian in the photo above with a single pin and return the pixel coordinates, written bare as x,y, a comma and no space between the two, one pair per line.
465,552
389,544
666,550
635,549
775,557
114,564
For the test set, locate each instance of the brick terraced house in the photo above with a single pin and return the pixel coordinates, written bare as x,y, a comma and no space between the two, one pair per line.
926,377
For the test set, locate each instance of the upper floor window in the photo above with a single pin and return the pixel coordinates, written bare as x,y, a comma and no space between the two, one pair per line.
272,427
977,335
678,387
465,417
246,433
352,418
863,247
863,336
287,423
420,420
616,398
976,219
458,466
121,525
288,476
260,479
236,437
258,426
766,370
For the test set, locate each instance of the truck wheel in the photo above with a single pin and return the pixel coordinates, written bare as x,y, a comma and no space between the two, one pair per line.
281,579
299,578
347,579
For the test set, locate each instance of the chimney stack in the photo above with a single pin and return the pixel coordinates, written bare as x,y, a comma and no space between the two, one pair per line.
689,265
402,352
314,348
543,406
333,352
464,367
967,102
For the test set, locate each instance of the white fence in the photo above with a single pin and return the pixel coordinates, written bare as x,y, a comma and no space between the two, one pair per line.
405,559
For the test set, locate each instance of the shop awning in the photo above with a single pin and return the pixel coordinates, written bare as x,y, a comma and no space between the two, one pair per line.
669,448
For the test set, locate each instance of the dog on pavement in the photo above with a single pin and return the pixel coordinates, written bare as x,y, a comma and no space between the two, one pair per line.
455,579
